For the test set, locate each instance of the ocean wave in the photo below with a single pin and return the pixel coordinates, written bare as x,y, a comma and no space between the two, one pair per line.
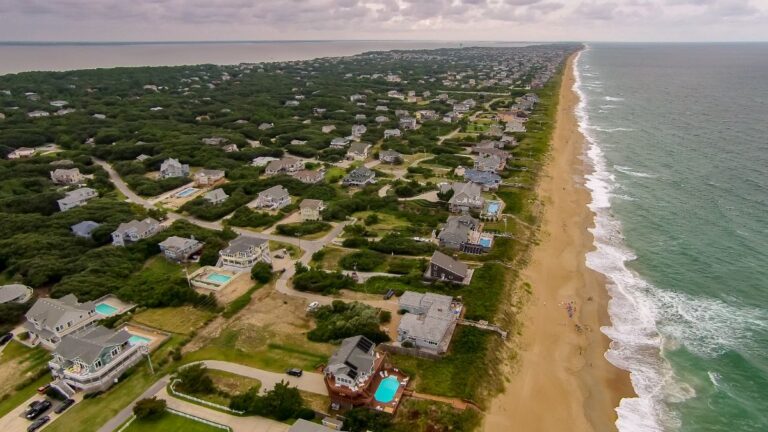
605,107
616,129
648,321
610,98
629,171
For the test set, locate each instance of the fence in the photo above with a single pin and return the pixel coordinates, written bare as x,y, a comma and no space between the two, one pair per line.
201,401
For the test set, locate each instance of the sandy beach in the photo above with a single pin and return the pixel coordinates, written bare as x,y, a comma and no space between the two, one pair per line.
563,381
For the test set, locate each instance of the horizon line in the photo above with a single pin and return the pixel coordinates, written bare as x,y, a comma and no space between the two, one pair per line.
256,41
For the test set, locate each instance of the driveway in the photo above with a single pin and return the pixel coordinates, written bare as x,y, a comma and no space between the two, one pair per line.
310,381
14,421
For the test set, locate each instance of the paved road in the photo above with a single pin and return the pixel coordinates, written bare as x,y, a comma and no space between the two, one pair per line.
309,381
238,424
121,185
127,412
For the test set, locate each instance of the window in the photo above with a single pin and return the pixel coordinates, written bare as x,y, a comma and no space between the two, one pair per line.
97,363
115,351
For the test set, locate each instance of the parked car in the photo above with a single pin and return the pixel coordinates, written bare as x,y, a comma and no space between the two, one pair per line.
37,408
295,372
5,338
389,294
64,405
37,424
44,388
313,306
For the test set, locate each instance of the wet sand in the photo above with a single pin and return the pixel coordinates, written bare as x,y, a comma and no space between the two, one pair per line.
563,381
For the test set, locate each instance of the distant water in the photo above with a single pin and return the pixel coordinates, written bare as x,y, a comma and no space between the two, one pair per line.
57,57
678,136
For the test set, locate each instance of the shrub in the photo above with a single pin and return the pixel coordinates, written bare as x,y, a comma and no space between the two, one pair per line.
341,320
261,272
320,281
385,317
149,408
299,229
194,379
363,260
372,219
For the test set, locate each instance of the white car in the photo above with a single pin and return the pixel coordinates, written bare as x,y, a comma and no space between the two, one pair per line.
313,306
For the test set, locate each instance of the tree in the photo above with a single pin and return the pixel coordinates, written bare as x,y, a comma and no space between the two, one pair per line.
364,419
194,379
261,272
149,408
281,403
372,219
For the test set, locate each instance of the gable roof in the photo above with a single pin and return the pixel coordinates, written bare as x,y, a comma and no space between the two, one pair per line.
84,228
87,345
355,354
51,312
454,266
242,243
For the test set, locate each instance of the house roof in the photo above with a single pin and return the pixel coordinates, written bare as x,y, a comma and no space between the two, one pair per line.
359,148
277,191
178,243
78,195
51,312
216,195
136,225
308,175
355,354
389,154
427,327
454,266
84,228
311,204
210,173
457,229
12,292
242,244
482,177
361,173
87,345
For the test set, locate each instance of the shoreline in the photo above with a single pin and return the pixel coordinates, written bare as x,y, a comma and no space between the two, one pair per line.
563,380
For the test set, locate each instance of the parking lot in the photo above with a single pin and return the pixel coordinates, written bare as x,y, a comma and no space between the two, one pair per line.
15,421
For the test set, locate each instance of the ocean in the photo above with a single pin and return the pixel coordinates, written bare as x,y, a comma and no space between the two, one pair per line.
678,139
23,57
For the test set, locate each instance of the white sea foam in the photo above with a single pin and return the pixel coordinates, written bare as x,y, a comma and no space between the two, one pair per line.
647,321
610,98
631,172
616,129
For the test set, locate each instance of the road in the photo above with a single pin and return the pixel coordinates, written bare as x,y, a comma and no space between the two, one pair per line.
127,412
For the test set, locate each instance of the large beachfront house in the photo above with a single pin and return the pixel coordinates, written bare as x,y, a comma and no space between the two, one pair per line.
429,322
286,165
92,359
76,198
444,268
173,168
461,233
179,249
49,320
273,198
244,252
359,177
208,177
135,230
350,371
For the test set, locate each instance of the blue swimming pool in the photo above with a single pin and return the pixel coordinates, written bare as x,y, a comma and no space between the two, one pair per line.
135,340
105,309
387,390
218,278
493,208
485,242
186,192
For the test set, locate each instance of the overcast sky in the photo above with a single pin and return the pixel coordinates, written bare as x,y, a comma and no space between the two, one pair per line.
508,20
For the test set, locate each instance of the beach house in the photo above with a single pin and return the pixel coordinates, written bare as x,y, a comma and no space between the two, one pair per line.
429,321
173,168
244,252
208,177
286,165
76,198
273,198
488,180
309,176
84,229
466,196
93,359
444,268
49,320
358,151
311,209
359,177
134,231
350,371
392,133
390,156
461,233
216,196
21,152
15,293
180,249
67,176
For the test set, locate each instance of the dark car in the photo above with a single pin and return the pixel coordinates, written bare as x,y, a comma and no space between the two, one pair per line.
37,424
5,338
295,372
389,294
64,405
38,408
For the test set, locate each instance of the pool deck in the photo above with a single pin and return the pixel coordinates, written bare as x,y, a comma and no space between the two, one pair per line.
116,303
225,292
156,338
389,407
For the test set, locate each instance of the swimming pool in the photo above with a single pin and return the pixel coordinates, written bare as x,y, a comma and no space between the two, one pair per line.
485,242
186,192
105,309
493,208
387,390
136,339
218,278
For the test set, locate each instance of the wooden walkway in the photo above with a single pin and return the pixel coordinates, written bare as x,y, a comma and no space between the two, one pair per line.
484,325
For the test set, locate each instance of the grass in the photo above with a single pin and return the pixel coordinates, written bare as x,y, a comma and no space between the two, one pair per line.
260,352
91,414
240,302
387,222
421,416
24,369
294,251
334,174
232,383
180,320
170,422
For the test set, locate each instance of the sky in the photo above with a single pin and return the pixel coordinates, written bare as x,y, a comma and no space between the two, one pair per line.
466,20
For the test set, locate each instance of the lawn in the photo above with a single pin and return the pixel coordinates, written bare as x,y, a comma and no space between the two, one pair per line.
294,251
334,174
263,352
181,320
22,371
170,422
387,222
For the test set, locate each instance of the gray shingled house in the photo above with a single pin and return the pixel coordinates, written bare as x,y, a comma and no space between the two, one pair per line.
359,177
76,198
84,229
179,249
444,268
243,252
135,230
49,320
429,322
